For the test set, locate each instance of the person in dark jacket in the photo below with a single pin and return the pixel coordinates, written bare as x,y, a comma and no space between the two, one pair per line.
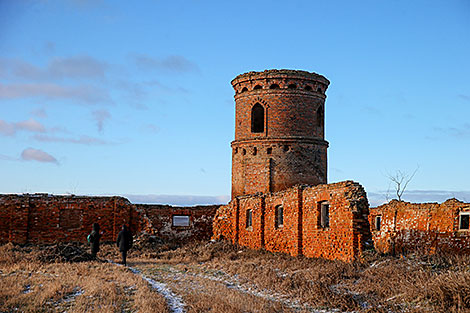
94,239
124,242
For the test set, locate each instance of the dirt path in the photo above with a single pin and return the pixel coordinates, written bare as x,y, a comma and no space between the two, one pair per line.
174,302
201,288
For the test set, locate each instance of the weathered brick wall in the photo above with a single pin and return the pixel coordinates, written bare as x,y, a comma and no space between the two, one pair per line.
291,148
160,221
301,232
425,227
43,218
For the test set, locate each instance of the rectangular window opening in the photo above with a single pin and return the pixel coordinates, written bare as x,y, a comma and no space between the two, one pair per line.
180,220
279,219
464,221
378,222
249,218
324,214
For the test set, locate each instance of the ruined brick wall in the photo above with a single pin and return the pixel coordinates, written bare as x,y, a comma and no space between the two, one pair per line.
289,148
43,218
159,221
301,232
424,227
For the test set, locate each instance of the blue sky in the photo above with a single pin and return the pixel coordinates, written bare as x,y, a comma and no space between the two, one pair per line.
134,98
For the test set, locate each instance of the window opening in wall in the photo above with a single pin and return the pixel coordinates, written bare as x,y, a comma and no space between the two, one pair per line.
378,222
249,218
244,89
292,86
279,222
324,214
257,118
319,90
464,221
274,86
286,148
320,117
255,151
244,151
308,88
257,87
269,150
180,220
235,150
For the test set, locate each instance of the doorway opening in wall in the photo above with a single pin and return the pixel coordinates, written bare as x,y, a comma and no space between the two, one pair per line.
249,218
464,221
324,213
279,217
378,222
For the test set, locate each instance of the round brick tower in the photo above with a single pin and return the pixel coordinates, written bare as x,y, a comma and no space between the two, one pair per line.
279,131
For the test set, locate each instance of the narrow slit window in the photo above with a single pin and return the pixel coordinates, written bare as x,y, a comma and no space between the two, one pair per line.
249,218
464,221
255,151
257,118
324,214
320,117
279,222
319,90
269,150
378,222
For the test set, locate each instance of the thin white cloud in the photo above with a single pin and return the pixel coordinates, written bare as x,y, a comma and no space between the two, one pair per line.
76,67
150,128
100,116
462,131
41,113
172,63
181,200
464,97
10,129
82,140
31,154
49,91
30,125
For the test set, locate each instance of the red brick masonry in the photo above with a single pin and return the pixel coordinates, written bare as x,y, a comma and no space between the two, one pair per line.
428,227
48,218
301,232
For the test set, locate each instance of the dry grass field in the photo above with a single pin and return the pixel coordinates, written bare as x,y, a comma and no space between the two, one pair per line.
218,277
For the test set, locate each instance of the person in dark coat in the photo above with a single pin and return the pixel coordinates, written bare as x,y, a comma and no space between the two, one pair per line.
94,239
124,242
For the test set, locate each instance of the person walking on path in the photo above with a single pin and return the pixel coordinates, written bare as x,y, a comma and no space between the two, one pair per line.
94,239
124,242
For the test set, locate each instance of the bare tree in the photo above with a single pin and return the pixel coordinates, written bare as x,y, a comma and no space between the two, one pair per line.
400,181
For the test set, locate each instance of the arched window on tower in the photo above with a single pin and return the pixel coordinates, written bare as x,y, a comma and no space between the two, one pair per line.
320,117
257,118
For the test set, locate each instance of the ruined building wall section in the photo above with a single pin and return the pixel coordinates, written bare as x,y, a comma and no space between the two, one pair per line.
160,221
43,218
400,227
301,231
